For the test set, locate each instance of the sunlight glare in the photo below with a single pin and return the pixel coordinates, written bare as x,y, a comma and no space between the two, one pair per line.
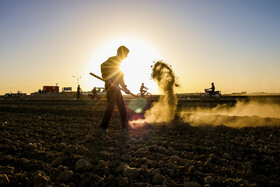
136,67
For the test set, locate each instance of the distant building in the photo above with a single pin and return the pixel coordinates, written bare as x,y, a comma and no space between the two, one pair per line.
67,89
47,89
18,94
239,93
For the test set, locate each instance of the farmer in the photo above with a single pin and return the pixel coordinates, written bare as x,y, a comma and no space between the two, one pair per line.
113,77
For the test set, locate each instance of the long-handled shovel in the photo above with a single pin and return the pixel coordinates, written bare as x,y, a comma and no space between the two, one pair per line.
92,74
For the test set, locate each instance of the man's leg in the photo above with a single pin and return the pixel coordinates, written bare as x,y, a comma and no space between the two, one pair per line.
111,99
122,109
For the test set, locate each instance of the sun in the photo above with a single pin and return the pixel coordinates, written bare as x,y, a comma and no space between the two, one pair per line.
136,67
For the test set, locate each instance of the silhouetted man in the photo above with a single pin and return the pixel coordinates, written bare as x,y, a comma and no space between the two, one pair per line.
212,89
94,92
113,77
143,89
79,91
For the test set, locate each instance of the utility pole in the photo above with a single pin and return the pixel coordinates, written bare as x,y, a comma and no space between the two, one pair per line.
77,78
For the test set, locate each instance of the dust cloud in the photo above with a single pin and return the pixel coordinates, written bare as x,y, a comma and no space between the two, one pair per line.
243,114
165,108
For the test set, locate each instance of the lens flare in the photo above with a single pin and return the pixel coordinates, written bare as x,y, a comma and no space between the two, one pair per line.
137,105
138,110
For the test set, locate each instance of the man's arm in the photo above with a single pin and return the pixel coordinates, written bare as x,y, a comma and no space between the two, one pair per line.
123,85
125,88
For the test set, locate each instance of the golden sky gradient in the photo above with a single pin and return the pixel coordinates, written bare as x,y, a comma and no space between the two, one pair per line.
235,44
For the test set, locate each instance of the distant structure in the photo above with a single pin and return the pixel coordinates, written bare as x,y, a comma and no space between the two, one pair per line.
12,95
67,89
52,89
239,93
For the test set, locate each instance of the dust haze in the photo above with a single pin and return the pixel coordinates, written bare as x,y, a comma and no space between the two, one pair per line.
243,114
165,108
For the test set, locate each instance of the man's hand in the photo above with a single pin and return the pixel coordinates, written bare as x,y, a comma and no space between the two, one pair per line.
127,91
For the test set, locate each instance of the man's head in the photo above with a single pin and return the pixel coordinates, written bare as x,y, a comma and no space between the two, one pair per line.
122,52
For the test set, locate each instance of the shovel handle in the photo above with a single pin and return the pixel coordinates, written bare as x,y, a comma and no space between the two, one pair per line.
96,76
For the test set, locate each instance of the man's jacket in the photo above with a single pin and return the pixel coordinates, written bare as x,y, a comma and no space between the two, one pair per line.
110,70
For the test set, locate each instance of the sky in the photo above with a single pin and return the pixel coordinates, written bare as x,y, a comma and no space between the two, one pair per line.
234,43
